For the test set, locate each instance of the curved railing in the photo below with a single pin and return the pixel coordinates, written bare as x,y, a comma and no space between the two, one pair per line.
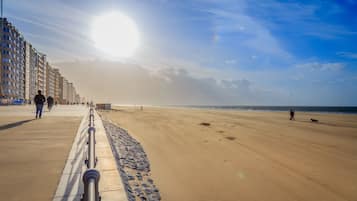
91,176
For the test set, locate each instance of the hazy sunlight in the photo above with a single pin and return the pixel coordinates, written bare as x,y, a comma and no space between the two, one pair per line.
115,34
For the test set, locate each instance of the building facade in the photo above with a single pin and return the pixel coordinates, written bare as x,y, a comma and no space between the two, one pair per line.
57,86
70,92
12,71
50,80
27,71
78,99
24,71
31,81
41,73
63,92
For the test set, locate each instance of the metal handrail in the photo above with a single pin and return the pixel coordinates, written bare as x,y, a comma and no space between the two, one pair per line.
91,159
91,176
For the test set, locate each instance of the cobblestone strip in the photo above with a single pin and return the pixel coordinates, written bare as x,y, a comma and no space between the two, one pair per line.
133,165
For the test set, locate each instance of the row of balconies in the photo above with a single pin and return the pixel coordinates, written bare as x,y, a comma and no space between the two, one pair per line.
16,46
13,37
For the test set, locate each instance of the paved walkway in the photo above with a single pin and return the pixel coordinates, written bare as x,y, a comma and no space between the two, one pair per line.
70,187
33,152
36,156
57,111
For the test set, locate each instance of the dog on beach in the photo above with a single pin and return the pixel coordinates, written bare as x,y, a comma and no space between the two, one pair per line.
314,120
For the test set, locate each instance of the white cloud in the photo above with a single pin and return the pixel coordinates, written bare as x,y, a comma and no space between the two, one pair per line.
316,66
134,84
254,57
351,55
298,76
304,17
254,34
230,61
61,31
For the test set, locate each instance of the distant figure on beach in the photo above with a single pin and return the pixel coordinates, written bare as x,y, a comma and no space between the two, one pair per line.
39,101
292,114
50,101
141,108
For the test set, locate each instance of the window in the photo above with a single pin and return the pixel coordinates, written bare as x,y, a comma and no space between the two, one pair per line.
6,60
6,29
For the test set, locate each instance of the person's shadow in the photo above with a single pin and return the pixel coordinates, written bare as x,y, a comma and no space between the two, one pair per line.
15,124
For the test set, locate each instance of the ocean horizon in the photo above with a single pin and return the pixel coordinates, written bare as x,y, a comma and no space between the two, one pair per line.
323,109
320,109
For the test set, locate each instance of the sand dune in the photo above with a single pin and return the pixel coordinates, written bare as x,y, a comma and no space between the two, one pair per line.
245,155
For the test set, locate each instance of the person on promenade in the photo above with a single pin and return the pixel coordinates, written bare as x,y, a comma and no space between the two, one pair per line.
50,103
39,101
292,114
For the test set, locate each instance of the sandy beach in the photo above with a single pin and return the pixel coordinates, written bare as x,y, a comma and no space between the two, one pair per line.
245,155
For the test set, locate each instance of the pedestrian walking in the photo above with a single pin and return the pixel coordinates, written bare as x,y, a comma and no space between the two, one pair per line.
50,101
292,114
39,101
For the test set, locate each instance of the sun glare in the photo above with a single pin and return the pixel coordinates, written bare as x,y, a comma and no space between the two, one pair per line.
115,34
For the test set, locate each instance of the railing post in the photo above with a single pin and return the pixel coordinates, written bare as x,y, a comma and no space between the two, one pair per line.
91,179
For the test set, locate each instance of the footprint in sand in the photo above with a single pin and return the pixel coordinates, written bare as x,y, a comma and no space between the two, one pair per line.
230,138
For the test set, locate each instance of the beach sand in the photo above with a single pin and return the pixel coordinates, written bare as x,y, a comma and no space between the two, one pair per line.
245,155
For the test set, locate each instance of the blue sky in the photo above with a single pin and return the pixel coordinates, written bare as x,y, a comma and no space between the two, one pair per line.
290,52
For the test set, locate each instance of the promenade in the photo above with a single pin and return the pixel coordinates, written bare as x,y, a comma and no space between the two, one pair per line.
35,153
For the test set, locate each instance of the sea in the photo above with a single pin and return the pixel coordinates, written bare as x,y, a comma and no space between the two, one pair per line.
320,109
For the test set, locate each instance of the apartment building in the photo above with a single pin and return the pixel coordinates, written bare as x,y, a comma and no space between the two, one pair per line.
63,92
57,92
50,80
77,99
27,71
12,70
70,92
24,71
41,73
31,82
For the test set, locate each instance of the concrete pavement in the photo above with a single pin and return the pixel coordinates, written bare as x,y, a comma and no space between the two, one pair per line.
42,159
33,152
29,111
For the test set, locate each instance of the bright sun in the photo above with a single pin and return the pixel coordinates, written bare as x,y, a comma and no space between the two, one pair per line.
115,34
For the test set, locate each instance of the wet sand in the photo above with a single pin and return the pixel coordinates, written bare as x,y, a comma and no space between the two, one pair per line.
242,155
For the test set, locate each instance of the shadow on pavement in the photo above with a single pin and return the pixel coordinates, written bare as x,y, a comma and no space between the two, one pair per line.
12,125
